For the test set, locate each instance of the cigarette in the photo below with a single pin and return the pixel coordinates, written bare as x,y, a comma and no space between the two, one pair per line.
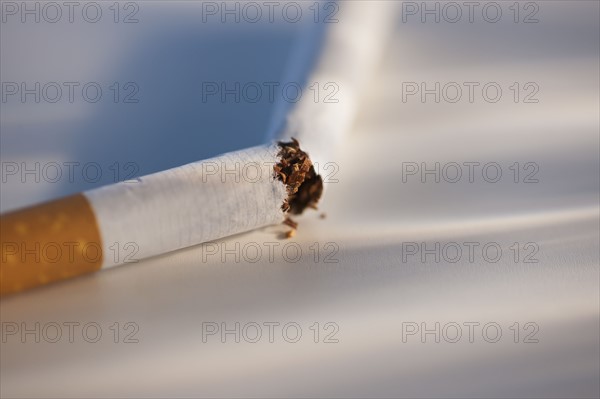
352,49
157,214
202,201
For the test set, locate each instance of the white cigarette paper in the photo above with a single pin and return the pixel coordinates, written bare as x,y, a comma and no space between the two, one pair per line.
191,204
352,48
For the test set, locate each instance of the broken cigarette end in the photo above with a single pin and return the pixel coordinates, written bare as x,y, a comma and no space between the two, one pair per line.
296,171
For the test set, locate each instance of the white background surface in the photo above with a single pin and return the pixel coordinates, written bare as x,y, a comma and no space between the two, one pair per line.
371,291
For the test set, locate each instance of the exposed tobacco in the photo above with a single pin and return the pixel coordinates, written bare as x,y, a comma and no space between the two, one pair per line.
291,223
297,172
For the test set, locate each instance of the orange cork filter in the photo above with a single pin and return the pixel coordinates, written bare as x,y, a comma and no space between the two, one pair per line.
49,242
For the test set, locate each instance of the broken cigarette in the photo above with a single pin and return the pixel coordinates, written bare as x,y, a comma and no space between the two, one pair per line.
201,201
156,214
